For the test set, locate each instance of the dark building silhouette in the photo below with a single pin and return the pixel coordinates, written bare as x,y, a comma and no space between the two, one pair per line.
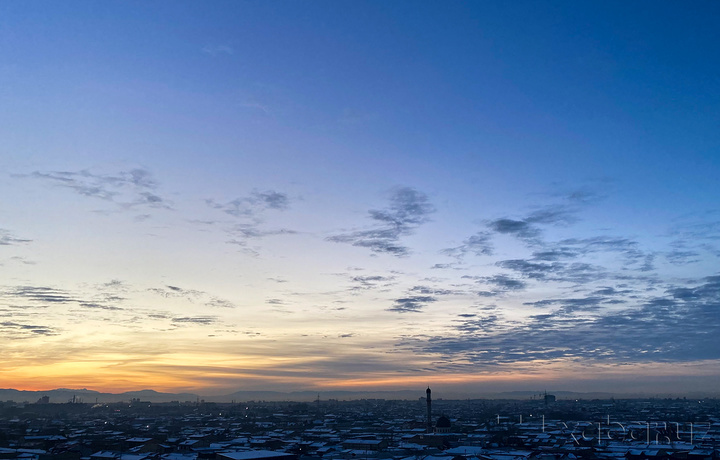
429,410
443,425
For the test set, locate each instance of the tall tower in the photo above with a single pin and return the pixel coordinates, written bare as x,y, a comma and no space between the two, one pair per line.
429,410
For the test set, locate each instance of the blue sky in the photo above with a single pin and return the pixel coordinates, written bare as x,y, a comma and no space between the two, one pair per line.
304,195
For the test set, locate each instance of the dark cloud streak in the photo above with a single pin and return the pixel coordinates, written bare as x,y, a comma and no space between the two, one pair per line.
681,325
408,210
127,189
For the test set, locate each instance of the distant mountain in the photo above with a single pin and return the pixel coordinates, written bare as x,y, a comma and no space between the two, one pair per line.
313,395
155,396
63,395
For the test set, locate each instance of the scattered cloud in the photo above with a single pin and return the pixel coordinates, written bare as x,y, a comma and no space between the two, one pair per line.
427,290
563,214
411,304
38,294
408,210
253,204
365,282
681,253
520,228
479,244
248,231
498,284
553,215
99,306
584,297
7,239
115,284
174,291
472,324
192,296
527,228
442,266
680,325
278,280
15,330
219,303
696,228
23,260
127,189
251,210
586,195
576,272
202,320
506,283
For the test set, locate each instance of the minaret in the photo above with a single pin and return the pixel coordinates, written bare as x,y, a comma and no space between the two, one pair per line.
429,411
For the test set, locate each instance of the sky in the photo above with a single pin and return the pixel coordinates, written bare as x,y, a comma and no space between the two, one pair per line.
360,195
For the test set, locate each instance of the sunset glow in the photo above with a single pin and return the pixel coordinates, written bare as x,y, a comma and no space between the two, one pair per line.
485,197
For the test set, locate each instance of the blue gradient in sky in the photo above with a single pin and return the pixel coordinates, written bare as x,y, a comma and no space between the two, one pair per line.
462,173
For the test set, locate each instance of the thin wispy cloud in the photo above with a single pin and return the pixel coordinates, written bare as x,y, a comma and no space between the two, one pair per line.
114,303
371,282
479,244
202,320
23,260
250,214
7,238
252,205
193,296
250,231
38,294
128,189
219,303
16,330
175,291
218,50
408,210
264,108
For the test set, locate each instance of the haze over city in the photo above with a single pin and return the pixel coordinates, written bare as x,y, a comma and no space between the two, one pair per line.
217,196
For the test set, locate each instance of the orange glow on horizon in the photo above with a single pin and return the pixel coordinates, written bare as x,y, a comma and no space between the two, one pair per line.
220,374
